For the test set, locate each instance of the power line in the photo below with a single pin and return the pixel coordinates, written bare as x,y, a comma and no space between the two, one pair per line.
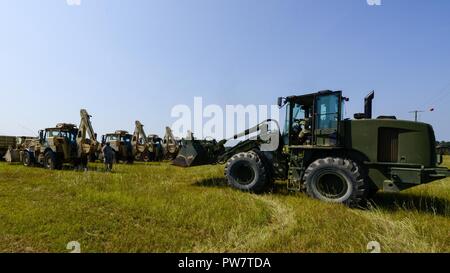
440,96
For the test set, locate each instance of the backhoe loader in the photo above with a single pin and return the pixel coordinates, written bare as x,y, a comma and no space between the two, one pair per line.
64,143
145,148
171,145
120,142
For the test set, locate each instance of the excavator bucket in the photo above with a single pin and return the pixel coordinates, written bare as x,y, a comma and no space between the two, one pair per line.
198,152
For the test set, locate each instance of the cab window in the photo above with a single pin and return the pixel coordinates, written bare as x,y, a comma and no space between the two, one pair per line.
327,108
125,139
111,138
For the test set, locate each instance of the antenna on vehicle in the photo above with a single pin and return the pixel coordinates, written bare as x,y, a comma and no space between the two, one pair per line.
416,114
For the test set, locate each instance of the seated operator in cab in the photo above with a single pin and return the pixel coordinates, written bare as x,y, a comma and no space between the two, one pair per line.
302,129
305,134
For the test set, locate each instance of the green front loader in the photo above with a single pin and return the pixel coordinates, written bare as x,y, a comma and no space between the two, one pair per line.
331,158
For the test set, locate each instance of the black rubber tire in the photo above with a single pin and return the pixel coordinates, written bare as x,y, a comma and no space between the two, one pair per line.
146,156
28,159
247,172
339,172
50,161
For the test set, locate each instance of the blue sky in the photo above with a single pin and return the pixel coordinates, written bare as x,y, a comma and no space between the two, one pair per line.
136,59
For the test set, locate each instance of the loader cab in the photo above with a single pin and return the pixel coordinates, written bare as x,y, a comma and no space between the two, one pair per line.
313,119
69,134
117,137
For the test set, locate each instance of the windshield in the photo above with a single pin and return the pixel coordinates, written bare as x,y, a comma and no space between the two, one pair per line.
66,134
298,113
111,138
126,138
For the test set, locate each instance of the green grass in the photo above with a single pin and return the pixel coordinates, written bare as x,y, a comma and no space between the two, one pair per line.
161,208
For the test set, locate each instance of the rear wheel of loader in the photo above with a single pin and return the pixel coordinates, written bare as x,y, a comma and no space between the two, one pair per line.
247,172
50,161
336,180
28,159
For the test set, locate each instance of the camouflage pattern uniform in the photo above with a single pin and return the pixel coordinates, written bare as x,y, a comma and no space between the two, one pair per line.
108,154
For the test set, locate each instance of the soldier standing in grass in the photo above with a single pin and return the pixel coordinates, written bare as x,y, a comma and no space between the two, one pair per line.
108,154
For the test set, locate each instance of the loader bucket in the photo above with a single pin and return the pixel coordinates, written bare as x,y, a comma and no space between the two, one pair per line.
198,152
12,155
187,154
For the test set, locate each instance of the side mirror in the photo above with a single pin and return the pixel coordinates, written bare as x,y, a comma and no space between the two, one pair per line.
41,135
280,102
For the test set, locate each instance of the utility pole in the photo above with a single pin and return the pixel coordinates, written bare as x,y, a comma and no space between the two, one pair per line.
416,114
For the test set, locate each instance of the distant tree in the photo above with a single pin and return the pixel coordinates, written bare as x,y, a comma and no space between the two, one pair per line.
443,143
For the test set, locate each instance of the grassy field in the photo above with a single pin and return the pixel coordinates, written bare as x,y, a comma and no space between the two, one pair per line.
161,208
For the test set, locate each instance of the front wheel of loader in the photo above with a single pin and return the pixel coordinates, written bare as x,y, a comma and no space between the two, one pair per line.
336,180
247,172
28,159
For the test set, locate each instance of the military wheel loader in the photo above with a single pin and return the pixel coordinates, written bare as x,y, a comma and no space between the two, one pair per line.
331,158
64,143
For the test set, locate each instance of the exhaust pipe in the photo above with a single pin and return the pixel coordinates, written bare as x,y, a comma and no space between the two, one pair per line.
368,105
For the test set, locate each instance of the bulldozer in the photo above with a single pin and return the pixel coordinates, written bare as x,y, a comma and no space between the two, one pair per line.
64,143
145,148
330,158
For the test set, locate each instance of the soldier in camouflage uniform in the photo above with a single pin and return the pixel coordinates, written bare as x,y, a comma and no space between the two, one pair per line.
108,154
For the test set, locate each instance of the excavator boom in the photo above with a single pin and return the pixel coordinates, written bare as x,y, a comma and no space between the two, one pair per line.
171,146
85,145
139,142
